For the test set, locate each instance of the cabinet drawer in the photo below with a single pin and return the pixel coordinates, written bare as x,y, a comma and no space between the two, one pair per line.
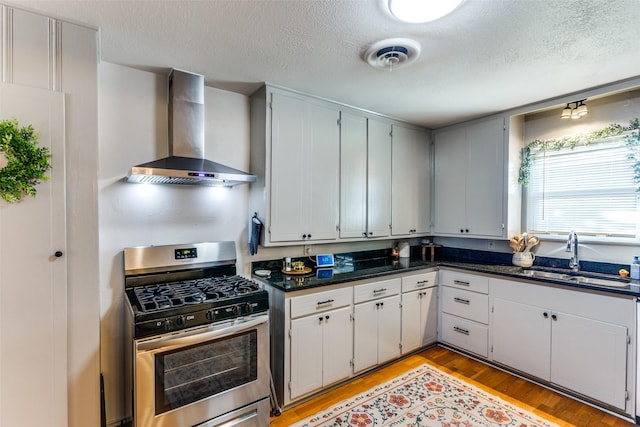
320,301
419,281
467,304
369,291
465,334
471,282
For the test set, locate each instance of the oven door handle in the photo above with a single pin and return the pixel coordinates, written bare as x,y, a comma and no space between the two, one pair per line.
171,342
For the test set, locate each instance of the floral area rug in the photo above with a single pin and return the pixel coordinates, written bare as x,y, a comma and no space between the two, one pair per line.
424,396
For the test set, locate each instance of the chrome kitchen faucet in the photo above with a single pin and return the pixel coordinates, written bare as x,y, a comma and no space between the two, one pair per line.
572,246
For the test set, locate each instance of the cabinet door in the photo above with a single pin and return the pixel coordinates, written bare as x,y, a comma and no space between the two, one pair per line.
353,176
522,337
429,316
410,181
450,180
411,321
321,162
289,186
378,178
590,357
306,354
304,170
33,349
365,335
485,178
337,349
389,316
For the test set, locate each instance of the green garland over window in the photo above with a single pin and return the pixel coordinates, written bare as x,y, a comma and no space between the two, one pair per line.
529,152
26,163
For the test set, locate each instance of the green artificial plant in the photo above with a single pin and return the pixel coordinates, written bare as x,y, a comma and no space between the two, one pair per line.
529,152
26,162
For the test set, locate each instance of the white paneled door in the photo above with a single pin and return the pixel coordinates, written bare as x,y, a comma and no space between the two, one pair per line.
33,295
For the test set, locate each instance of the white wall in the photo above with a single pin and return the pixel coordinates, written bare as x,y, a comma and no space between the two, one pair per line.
133,130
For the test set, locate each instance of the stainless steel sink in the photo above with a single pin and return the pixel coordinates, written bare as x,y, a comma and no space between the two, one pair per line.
574,278
545,274
597,281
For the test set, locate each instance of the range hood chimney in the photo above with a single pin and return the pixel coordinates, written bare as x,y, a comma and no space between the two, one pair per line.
186,163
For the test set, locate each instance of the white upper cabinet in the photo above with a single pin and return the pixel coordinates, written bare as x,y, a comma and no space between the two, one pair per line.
470,180
365,176
410,181
297,161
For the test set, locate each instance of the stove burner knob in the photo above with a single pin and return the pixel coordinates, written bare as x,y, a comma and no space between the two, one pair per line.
181,320
236,310
248,308
210,315
167,324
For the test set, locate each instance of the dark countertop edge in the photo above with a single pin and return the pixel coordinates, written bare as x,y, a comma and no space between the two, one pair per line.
510,271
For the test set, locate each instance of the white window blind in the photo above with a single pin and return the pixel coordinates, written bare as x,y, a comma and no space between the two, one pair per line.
589,189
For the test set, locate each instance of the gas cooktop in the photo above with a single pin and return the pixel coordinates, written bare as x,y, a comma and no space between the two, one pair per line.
175,287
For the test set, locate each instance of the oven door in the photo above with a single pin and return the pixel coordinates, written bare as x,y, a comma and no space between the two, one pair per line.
196,375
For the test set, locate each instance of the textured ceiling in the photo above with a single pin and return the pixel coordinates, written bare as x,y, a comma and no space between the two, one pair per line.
486,56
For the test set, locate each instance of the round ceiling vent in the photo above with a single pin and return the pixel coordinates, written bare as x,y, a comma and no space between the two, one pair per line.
392,53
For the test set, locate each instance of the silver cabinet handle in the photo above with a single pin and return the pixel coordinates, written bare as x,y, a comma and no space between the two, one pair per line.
462,300
422,283
377,291
460,330
329,301
460,282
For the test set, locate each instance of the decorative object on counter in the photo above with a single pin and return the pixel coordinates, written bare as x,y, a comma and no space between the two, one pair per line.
404,249
256,229
305,270
425,396
298,266
427,244
635,268
522,245
531,150
262,273
523,259
523,242
623,273
23,163
395,253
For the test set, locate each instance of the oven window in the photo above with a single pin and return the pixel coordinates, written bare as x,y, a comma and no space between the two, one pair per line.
192,373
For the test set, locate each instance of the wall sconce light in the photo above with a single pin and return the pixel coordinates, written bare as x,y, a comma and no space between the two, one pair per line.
574,110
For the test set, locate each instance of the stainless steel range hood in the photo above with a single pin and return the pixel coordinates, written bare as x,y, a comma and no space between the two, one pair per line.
186,163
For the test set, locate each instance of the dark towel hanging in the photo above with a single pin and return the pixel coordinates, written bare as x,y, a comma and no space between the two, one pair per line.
256,229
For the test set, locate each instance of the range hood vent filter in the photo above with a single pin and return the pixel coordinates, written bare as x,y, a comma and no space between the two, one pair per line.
185,164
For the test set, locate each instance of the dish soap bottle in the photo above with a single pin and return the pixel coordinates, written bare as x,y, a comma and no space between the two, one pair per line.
635,268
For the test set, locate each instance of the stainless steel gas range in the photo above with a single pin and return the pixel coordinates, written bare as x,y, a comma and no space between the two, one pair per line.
199,338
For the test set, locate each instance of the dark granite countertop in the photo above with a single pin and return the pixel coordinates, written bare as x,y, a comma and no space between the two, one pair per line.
343,271
359,266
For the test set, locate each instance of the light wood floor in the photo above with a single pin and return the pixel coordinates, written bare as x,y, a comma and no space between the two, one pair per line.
545,403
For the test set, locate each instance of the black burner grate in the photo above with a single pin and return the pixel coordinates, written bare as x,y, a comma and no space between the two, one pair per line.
175,294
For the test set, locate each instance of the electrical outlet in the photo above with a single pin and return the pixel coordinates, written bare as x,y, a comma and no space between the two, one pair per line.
306,250
491,244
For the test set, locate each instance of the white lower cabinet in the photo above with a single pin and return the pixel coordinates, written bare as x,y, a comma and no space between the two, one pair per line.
572,339
419,311
321,340
376,328
464,305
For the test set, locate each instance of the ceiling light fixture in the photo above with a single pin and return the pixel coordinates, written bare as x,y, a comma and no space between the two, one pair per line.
575,110
421,11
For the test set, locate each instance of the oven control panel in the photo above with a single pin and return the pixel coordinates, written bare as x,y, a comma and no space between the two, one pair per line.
203,316
185,253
